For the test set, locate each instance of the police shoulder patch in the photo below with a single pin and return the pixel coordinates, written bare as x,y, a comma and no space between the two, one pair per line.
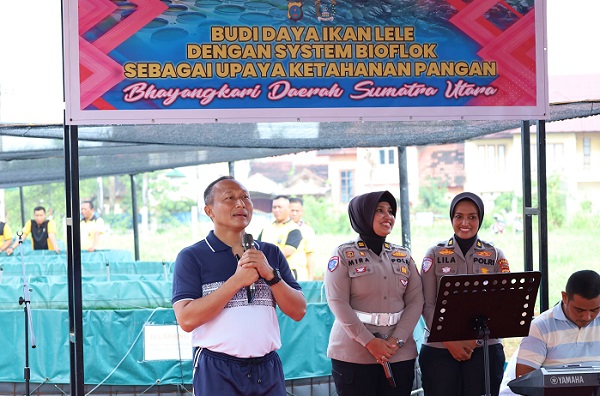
333,263
426,265
504,266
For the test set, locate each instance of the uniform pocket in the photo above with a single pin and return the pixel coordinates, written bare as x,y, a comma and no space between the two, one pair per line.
482,269
359,270
363,279
343,373
401,268
446,269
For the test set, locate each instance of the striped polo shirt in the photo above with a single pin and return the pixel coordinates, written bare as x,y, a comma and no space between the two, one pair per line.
554,340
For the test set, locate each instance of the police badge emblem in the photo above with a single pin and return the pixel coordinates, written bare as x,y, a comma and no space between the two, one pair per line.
325,10
295,12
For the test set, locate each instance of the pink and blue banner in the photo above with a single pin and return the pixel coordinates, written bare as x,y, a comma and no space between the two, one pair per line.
200,61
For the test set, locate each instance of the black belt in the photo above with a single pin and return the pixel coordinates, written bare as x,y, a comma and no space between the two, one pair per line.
224,356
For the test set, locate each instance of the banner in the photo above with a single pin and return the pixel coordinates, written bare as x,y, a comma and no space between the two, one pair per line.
200,61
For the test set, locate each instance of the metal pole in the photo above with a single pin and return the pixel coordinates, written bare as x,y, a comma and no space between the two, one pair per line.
74,259
543,213
100,198
136,238
404,199
22,200
528,211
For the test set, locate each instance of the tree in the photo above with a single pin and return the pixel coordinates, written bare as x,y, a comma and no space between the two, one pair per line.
51,196
557,201
319,214
433,195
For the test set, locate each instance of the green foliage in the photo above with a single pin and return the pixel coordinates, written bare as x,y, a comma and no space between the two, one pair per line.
319,213
116,198
488,221
325,217
168,212
51,196
557,201
504,202
88,190
116,191
163,209
120,221
585,217
504,206
433,196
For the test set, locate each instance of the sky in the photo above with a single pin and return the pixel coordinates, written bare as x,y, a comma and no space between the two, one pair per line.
573,33
31,55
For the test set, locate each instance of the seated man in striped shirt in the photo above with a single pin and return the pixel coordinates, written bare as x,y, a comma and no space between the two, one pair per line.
568,333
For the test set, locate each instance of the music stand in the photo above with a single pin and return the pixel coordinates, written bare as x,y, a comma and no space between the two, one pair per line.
484,306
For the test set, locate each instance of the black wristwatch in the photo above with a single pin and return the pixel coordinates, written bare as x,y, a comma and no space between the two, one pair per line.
276,277
399,342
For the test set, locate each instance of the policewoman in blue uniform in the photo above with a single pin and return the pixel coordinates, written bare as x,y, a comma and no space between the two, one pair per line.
374,290
456,368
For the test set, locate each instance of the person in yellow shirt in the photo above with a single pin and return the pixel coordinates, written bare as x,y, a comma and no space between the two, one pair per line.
5,238
42,230
286,234
308,234
91,227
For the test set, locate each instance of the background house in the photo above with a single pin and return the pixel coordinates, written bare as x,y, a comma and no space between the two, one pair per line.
490,165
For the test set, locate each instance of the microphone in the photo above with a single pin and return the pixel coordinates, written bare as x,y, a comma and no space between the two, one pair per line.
247,243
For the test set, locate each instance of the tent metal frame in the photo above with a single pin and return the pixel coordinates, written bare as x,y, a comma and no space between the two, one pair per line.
74,243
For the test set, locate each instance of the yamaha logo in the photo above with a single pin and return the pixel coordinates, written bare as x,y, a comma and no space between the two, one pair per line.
567,380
